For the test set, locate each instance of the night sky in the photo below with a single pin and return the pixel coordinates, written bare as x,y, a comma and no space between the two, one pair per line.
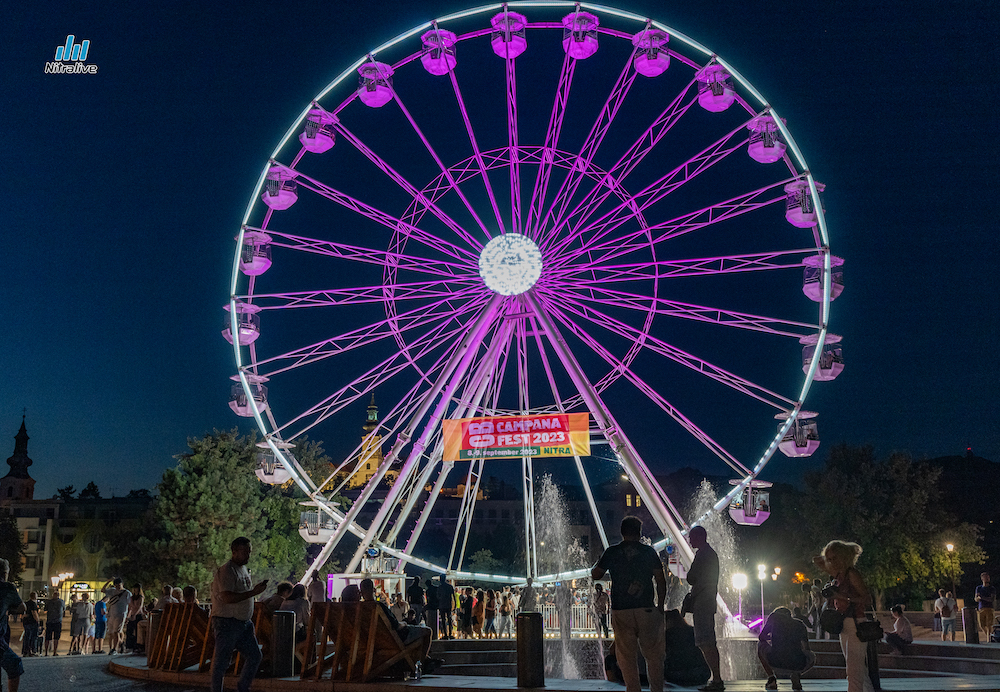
125,190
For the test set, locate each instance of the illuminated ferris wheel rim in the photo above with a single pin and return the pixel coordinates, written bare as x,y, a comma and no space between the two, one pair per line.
277,446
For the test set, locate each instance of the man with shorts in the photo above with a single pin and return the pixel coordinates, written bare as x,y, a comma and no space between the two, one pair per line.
985,595
83,614
947,608
704,580
232,617
637,622
117,598
55,608
10,604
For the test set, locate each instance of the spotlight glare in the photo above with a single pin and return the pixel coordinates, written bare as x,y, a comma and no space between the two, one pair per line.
510,264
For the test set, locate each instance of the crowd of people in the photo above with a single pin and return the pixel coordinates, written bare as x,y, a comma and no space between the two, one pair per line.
436,608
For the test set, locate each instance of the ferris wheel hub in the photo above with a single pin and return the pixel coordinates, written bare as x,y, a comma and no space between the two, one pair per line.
510,264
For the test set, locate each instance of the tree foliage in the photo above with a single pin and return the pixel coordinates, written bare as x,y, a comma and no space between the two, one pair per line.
66,493
91,492
891,508
211,497
12,547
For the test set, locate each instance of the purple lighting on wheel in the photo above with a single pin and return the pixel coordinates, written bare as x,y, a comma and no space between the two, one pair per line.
715,93
580,35
483,248
507,38
652,58
376,84
439,51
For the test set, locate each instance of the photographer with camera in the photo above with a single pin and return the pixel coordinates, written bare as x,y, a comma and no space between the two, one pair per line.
848,595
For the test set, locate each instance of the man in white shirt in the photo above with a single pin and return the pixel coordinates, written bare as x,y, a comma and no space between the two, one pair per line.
232,617
117,597
947,606
166,598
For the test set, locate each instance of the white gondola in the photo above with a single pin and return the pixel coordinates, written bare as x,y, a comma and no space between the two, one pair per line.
238,400
715,92
580,35
831,358
318,135
438,57
269,469
507,39
765,141
812,277
800,211
752,507
376,84
652,58
316,526
247,323
802,439
255,255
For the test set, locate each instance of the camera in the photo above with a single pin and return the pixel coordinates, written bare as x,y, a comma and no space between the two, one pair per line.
828,589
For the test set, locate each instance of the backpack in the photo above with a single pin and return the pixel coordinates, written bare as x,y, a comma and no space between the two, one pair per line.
945,610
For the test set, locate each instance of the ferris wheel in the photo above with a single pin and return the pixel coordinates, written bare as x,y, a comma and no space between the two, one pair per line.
517,210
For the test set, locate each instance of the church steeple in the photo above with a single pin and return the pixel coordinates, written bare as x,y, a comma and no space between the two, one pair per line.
18,483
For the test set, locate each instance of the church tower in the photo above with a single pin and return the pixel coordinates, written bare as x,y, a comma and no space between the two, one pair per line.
371,448
18,484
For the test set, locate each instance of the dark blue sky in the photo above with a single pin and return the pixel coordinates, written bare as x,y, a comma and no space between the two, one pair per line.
125,189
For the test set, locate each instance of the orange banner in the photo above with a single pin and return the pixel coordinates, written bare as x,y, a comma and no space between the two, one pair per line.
504,437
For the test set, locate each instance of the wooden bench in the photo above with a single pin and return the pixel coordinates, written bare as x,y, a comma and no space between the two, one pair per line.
356,643
184,638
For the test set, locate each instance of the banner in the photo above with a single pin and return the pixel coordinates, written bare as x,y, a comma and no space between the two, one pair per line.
502,437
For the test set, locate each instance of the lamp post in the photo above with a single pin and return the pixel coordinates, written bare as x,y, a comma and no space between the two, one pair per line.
740,583
761,575
951,563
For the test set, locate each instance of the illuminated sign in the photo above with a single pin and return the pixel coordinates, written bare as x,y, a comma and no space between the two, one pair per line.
506,437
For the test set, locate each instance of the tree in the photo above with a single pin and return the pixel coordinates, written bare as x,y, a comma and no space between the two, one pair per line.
891,509
66,493
211,497
90,492
11,547
483,562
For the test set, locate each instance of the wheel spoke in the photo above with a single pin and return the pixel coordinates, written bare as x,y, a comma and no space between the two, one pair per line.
675,354
618,246
689,311
372,333
532,227
380,217
652,194
383,258
599,194
477,153
650,392
575,176
418,196
340,297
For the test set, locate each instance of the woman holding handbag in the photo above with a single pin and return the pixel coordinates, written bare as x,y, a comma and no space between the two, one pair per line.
848,594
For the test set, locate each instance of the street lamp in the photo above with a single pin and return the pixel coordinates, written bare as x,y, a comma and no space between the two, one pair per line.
951,563
761,575
740,583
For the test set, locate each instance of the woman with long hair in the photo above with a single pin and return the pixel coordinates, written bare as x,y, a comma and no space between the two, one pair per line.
491,613
849,595
478,613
